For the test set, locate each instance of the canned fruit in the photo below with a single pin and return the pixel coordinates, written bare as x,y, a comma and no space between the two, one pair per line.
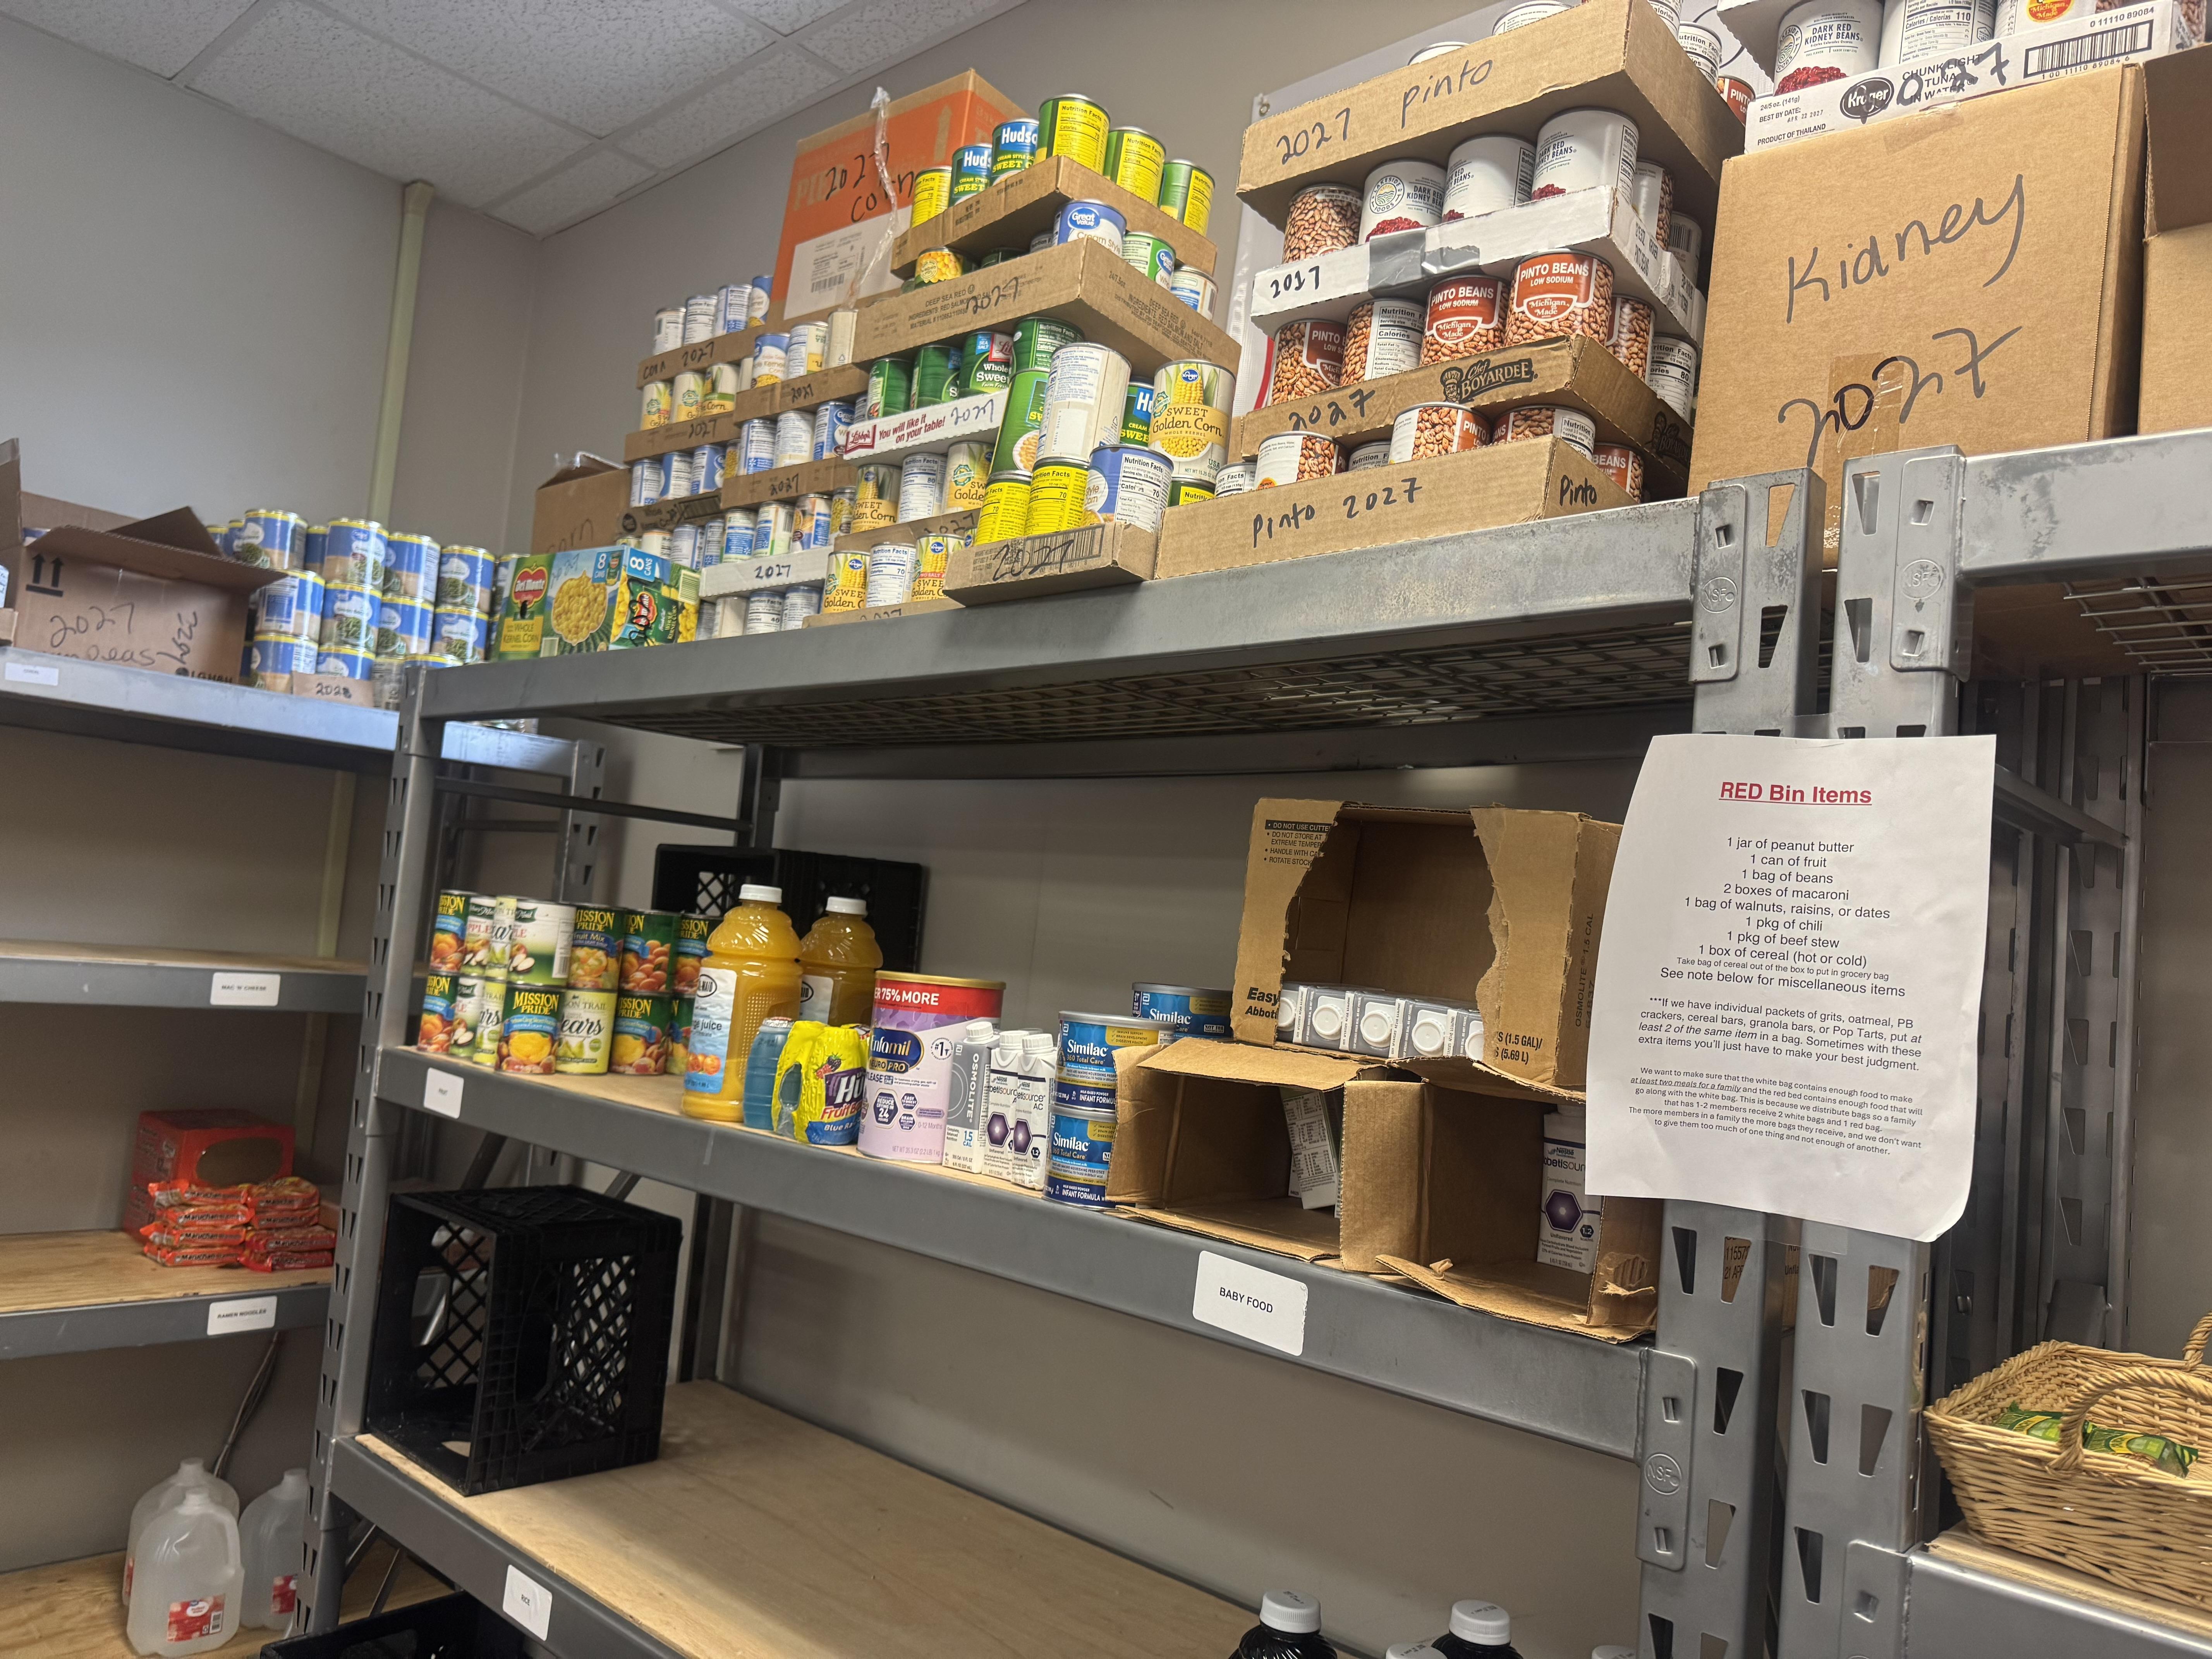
1547,420
477,1005
1430,429
1401,195
642,1028
1304,360
434,1033
449,928
479,952
1556,295
537,953
649,951
595,949
530,1036
1322,219
490,1023
691,931
586,1026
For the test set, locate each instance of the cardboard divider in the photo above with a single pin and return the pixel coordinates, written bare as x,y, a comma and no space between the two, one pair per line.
880,613
795,569
701,354
1499,484
1068,561
582,505
1010,213
1491,906
2177,361
1577,372
1085,283
668,514
786,483
930,431
1605,54
861,540
1409,263
760,402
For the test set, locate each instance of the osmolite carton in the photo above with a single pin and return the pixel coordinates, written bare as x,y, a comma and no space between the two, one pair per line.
919,1019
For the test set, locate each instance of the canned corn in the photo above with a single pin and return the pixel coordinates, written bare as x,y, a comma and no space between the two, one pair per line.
1187,191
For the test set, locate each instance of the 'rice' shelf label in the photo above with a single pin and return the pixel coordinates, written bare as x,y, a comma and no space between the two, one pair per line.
1251,1303
527,1602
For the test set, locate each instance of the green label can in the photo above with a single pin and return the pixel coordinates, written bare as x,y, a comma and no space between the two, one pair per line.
933,193
933,371
641,1029
1057,498
691,933
938,265
587,1020
1036,338
595,953
679,1038
531,1032
1074,127
1133,161
543,931
1137,414
1006,510
1150,257
449,931
490,1007
1013,147
1183,491
971,171
649,951
435,1036
890,387
1187,191
986,364
1021,429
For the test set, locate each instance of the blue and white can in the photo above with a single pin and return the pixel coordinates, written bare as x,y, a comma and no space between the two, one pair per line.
1186,1010
306,605
710,541
459,635
1128,485
830,424
281,656
346,665
270,537
810,523
645,479
464,578
348,619
1194,288
1091,221
684,546
706,468
675,475
354,554
278,611
403,628
732,303
1081,1156
1087,1044
757,440
772,530
737,533
317,542
412,573
757,301
795,438
770,354
799,603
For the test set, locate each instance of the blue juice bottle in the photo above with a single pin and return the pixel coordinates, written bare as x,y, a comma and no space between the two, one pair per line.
760,1071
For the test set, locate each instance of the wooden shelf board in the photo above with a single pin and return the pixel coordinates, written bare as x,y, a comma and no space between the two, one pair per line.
757,1533
70,1610
41,1271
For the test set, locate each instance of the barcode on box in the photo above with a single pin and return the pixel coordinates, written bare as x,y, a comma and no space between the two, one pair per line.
2086,49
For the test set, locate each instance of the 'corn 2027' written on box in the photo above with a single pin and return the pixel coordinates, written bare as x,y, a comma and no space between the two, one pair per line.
1789,978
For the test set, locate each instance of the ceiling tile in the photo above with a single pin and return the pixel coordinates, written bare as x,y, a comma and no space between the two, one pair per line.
309,75
892,29
163,37
785,16
772,84
582,187
600,66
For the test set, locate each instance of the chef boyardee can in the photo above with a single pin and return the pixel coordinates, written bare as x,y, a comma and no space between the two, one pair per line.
1006,511
971,170
1074,127
1013,147
933,193
595,949
890,387
1022,427
1187,191
1137,414
587,1019
1036,339
1133,161
1150,257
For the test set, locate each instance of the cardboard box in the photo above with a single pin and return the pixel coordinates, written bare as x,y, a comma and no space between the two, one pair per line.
793,569
2128,34
1011,212
2177,361
721,349
154,594
1409,263
786,483
962,523
879,613
1085,283
1608,54
1429,1173
1499,484
1491,907
668,514
760,402
836,216
932,430
1957,279
216,1147
1579,373
1030,567
582,505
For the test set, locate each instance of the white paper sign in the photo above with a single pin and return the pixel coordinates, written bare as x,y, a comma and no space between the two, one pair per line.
527,1602
1789,978
441,1093
1251,1302
244,990
244,1313
33,673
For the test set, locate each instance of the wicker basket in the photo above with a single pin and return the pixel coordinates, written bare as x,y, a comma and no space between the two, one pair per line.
2115,1516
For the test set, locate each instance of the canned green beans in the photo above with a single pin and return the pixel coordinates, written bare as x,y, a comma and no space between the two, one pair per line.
1036,339
1187,191
1133,161
1074,127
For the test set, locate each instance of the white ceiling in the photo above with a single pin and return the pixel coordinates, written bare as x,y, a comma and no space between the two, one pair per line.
540,113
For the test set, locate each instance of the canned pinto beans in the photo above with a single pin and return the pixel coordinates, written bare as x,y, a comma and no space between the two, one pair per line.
1432,429
1322,219
1304,360
1547,420
1382,337
1623,465
1465,317
1556,295
1294,457
1631,339
539,952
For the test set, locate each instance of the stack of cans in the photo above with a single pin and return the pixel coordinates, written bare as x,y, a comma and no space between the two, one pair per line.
353,560
461,623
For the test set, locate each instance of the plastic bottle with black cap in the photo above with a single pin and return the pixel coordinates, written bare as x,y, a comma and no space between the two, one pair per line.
1288,1628
1479,1630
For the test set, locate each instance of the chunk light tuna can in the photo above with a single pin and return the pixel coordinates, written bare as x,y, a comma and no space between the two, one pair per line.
918,1020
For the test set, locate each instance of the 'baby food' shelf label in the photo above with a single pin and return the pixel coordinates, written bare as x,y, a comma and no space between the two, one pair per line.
242,1313
1251,1303
226,990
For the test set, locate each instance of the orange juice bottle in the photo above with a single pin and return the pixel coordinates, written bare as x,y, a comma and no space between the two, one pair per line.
839,957
751,974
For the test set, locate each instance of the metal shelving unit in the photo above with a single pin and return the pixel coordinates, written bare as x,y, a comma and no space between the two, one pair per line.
118,976
1573,637
77,1292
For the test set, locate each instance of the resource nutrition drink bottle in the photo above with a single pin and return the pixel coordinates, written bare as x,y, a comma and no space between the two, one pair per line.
1479,1630
838,959
1288,1628
750,975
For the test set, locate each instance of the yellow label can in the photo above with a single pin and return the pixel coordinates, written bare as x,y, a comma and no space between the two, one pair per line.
587,1019
1006,511
933,192
1057,503
848,580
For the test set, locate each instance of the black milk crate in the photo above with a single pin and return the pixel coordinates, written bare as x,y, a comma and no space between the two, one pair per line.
704,880
451,1627
521,1333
